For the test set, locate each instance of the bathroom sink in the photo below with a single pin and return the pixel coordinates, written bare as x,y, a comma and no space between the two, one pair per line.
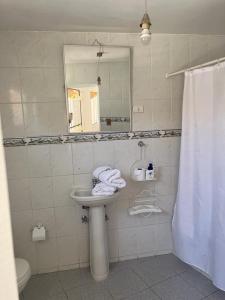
99,257
85,198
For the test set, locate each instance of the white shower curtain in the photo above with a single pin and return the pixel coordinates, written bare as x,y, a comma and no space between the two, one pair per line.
199,216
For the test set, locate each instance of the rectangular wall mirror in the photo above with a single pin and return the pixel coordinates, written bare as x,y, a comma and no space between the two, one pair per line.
97,85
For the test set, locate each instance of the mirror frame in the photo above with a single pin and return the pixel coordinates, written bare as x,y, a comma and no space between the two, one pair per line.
130,90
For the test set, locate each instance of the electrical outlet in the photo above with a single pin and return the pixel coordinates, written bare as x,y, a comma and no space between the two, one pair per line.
138,108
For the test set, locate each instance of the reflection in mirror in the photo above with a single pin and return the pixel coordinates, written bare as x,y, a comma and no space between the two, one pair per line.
97,83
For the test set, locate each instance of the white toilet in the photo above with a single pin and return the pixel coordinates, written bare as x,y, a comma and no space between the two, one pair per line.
23,273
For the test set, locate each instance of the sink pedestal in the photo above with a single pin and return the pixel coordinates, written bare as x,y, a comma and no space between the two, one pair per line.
99,258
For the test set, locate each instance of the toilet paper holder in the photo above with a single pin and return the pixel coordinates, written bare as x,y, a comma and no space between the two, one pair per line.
39,226
39,233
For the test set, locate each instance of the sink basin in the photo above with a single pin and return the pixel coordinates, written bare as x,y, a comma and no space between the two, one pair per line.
85,198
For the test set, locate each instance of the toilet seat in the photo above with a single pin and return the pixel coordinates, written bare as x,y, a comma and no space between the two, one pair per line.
23,273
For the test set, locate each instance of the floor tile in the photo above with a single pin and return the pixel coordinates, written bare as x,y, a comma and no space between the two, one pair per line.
42,287
153,272
124,283
75,278
176,288
88,293
122,265
172,262
220,295
61,296
200,282
145,295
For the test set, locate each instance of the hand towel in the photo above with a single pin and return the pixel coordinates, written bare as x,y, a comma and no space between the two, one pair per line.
109,176
99,170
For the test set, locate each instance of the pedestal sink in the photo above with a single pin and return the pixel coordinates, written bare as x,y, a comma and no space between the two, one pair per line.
99,258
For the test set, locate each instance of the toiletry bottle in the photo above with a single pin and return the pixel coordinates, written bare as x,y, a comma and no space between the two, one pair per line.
150,172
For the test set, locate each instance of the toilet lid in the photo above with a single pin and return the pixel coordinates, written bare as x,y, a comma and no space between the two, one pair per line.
22,269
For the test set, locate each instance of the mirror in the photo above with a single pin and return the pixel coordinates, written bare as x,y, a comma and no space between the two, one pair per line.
97,84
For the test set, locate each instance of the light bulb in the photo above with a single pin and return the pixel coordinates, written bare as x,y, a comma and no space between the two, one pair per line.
145,36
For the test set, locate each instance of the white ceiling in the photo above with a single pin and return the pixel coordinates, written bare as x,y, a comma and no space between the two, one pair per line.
168,16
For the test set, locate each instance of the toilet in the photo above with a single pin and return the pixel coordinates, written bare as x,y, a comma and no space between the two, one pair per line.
23,273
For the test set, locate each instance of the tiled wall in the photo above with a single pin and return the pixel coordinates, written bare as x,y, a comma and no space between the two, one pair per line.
32,99
40,177
40,185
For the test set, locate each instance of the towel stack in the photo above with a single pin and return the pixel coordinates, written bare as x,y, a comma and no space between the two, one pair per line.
110,181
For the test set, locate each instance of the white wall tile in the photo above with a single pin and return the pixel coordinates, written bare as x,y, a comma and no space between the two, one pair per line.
19,194
36,118
84,248
41,84
123,161
22,224
12,120
179,52
52,47
113,244
146,240
82,158
161,152
29,49
177,87
33,83
164,237
165,183
162,114
39,161
61,159
104,154
41,191
199,50
62,186
141,81
8,50
68,250
44,118
66,221
10,90
128,244
83,180
47,259
16,162
177,105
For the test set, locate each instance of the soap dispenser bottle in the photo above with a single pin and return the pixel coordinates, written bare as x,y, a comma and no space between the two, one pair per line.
150,172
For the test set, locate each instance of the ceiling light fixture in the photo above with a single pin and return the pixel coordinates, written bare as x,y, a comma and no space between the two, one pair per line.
145,26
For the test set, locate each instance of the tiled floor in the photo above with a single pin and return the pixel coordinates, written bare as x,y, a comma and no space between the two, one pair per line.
159,277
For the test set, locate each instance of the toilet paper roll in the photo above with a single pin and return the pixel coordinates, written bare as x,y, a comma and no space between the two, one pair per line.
38,234
139,174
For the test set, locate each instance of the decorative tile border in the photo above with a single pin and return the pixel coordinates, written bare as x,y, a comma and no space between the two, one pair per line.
98,137
115,119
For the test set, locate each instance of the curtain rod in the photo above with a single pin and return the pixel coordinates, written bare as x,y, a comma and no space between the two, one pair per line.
216,61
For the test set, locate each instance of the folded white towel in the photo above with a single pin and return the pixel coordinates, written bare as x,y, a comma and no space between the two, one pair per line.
109,176
99,170
102,189
118,183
